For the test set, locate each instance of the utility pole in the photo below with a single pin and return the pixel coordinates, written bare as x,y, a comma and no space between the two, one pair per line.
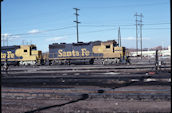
136,34
76,9
156,61
119,37
7,40
22,42
0,24
139,22
2,40
141,16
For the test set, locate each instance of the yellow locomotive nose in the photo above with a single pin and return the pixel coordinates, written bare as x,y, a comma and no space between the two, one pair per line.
18,52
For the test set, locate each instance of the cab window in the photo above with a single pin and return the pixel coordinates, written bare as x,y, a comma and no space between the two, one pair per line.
25,50
33,48
114,45
107,46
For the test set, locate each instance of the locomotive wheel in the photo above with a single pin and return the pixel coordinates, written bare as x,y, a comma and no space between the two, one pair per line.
91,61
98,61
107,61
117,61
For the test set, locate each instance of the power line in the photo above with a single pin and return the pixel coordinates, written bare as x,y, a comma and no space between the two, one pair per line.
88,32
98,31
22,34
13,35
67,27
70,34
155,28
90,25
130,5
112,25
105,25
42,31
157,24
109,30
146,28
81,33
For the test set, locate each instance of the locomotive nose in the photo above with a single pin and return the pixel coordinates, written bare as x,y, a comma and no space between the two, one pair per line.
18,52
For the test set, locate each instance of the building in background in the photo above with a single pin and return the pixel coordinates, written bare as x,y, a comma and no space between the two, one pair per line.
151,53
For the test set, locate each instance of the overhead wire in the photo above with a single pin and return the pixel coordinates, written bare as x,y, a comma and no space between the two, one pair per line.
42,31
129,5
88,25
112,25
94,31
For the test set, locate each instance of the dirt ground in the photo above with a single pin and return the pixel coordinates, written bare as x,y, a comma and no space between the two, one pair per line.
91,100
84,106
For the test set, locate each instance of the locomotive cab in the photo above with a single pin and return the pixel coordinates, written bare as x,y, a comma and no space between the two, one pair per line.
36,52
30,55
112,53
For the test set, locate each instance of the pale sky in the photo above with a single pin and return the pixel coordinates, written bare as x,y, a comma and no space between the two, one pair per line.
43,22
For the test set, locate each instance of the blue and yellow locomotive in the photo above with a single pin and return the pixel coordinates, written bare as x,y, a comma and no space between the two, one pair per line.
20,55
96,52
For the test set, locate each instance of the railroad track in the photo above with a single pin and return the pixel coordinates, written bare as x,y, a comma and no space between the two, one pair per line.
111,80
75,87
67,87
74,93
33,69
73,84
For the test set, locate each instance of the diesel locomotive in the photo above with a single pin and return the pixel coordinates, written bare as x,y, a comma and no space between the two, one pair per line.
97,52
21,55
